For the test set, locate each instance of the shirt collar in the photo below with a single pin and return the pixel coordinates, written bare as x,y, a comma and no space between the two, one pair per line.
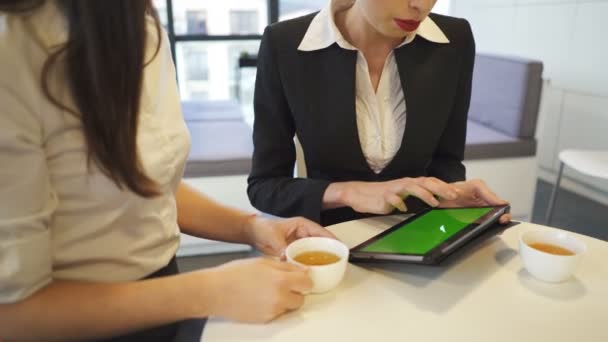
49,25
323,31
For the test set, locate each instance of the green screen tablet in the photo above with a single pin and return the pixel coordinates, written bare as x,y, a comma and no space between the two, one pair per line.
429,235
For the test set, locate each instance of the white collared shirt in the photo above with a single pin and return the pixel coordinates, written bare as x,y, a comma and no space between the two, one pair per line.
381,114
58,220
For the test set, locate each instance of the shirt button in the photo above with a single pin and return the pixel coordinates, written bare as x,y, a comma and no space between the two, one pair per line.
386,99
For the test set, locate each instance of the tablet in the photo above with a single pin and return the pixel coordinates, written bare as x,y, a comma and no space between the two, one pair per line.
429,236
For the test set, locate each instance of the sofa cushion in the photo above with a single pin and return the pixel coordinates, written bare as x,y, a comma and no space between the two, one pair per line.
219,148
486,143
207,110
506,94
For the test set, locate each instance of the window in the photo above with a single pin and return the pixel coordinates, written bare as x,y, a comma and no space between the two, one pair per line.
442,7
199,95
289,9
211,67
209,36
220,18
244,22
161,9
193,71
197,64
243,79
196,22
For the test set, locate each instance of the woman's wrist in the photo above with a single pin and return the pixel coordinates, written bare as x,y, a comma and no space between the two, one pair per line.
201,293
247,226
336,196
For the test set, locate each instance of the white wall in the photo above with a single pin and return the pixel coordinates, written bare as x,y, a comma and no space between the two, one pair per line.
569,36
442,7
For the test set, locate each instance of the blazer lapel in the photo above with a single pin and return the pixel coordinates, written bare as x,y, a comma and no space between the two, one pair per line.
421,70
334,86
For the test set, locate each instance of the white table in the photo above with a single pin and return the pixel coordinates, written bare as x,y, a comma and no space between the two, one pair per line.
485,295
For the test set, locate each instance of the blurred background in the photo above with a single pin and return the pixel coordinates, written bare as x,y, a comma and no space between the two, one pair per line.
216,33
215,43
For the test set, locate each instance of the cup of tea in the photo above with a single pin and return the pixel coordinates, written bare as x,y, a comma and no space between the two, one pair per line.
550,255
325,258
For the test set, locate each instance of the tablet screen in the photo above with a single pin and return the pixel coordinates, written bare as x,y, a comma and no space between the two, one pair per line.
426,232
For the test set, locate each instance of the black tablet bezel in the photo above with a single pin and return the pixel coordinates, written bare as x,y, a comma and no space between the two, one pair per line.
438,252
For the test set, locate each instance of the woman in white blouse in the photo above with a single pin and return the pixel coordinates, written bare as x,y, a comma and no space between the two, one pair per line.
377,92
92,151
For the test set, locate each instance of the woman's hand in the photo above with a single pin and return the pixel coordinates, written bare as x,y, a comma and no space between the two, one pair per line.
257,290
271,237
475,193
384,197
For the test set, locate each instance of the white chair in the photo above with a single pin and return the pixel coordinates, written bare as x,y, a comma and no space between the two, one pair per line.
588,162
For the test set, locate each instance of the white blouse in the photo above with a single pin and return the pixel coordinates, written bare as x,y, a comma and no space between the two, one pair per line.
58,219
381,114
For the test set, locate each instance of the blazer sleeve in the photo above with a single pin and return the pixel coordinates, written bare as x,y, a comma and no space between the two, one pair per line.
447,160
271,186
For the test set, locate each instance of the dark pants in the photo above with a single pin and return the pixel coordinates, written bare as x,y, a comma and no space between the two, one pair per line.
166,333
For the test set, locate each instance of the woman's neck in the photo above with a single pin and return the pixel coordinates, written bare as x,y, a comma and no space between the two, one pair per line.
359,32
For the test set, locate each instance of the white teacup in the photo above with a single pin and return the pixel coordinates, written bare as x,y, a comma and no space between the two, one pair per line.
546,266
324,277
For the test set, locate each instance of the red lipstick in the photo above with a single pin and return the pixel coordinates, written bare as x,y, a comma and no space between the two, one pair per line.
407,25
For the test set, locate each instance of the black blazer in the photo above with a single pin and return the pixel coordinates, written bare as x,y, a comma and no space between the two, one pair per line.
313,94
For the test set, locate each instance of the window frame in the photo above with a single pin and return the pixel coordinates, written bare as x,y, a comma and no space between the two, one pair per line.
174,38
273,17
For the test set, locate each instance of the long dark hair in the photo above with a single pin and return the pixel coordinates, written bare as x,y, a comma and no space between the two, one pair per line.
104,61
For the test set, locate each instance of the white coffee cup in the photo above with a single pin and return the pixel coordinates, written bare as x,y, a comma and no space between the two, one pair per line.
546,266
324,277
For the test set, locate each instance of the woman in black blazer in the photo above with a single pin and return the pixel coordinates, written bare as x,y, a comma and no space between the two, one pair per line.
377,92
